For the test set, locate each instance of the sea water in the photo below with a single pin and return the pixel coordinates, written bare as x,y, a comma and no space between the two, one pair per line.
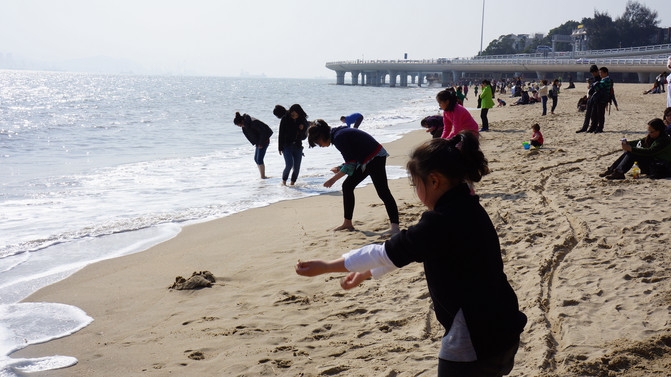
99,166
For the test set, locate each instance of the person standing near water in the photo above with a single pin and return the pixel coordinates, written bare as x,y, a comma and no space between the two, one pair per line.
293,130
258,133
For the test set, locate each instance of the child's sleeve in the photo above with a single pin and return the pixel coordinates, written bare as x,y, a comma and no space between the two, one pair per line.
370,257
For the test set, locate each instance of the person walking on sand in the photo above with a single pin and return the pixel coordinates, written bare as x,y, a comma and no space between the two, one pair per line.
364,157
352,119
486,103
456,118
293,130
459,248
258,133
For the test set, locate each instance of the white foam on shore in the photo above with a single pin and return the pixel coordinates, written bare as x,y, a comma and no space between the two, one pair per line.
24,324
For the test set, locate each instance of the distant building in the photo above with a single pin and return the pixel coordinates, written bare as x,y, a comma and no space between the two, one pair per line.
579,36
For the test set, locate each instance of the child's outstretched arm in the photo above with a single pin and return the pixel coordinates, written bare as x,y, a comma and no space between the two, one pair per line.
366,262
319,267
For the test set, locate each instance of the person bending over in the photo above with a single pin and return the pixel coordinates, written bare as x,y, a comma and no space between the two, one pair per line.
364,157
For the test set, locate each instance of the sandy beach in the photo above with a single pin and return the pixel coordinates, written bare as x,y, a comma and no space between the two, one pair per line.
588,258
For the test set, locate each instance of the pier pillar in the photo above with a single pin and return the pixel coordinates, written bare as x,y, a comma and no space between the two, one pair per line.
392,78
445,78
420,79
404,79
456,75
340,77
355,77
580,76
643,77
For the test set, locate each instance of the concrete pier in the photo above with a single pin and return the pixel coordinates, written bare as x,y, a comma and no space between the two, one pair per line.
647,62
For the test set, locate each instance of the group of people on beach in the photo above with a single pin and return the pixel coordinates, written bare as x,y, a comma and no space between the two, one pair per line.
455,239
363,155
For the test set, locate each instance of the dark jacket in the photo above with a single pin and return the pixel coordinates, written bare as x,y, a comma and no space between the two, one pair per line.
659,148
603,90
290,132
356,146
257,132
459,247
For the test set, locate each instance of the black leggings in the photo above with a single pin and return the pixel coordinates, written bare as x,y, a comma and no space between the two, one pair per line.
376,169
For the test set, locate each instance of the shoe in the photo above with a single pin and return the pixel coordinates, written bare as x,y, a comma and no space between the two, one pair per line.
591,131
484,129
581,130
615,175
606,173
597,131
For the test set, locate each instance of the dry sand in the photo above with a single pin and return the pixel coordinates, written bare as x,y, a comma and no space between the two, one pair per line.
588,258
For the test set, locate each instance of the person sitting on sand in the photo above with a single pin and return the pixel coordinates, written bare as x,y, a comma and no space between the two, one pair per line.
433,125
655,146
537,136
654,89
456,118
258,133
524,99
364,157
667,120
501,102
458,245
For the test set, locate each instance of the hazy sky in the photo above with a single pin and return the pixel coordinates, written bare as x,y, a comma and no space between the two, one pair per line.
278,38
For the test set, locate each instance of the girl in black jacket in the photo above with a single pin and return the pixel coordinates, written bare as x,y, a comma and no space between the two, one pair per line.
258,133
456,242
293,130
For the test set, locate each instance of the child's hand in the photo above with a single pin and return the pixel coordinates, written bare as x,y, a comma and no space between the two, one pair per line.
311,268
353,279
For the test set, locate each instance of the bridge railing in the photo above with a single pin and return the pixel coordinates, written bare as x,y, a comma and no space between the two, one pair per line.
661,52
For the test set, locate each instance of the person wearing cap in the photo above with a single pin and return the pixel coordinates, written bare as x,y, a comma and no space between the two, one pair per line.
594,70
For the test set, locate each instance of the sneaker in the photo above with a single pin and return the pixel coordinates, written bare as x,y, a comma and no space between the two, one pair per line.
615,175
484,129
581,130
606,173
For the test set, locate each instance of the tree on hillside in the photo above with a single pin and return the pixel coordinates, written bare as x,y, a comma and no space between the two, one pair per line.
601,31
637,25
564,29
505,45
